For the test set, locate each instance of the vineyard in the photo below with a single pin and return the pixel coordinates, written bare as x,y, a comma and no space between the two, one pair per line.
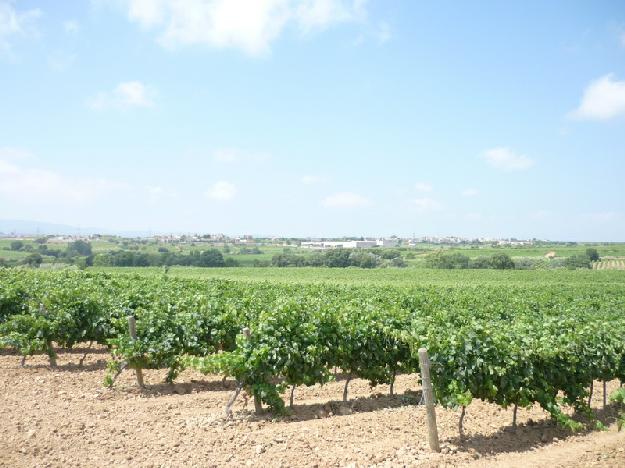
609,264
511,346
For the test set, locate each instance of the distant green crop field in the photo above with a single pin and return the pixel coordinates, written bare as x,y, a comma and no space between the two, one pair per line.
7,254
12,255
540,251
103,246
414,257
390,276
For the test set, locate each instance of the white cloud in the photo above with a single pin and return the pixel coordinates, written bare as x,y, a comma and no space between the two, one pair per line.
426,205
248,25
147,12
125,95
319,14
603,99
32,185
310,180
470,192
423,187
506,160
71,26
345,200
15,23
221,191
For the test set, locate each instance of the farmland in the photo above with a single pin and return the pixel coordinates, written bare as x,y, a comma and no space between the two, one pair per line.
498,340
267,252
609,264
387,276
312,233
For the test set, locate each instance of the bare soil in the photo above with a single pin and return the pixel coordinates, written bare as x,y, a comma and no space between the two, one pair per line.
65,417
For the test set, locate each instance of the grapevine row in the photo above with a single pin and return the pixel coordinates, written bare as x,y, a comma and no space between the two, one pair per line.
507,345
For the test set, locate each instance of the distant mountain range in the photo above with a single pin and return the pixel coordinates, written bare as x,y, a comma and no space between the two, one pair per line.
25,228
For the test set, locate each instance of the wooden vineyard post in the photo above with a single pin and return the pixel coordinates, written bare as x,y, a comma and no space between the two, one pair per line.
258,406
428,397
132,328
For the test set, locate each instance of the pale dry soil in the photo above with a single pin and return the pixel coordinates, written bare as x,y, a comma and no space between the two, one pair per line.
65,417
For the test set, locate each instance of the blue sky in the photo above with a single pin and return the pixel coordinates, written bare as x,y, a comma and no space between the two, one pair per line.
316,117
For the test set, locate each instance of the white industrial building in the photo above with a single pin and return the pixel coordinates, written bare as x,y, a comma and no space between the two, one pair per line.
393,242
353,244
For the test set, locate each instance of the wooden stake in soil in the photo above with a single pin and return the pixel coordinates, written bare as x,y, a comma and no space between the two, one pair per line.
428,396
592,384
516,407
258,406
605,394
51,354
231,400
132,329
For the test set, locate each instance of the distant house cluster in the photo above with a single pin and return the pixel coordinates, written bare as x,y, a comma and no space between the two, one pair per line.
451,240
350,244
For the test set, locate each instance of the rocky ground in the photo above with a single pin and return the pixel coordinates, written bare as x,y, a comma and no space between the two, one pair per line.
65,417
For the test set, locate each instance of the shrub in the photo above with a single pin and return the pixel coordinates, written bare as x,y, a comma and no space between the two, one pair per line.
592,254
443,260
17,245
502,261
577,261
480,263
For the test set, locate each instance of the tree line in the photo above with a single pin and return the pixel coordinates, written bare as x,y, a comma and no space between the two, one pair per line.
341,258
124,258
502,261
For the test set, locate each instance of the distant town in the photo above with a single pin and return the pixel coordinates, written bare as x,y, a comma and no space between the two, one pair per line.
313,243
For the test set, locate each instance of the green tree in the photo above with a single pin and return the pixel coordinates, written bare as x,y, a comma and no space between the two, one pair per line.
398,262
447,261
577,261
364,259
79,247
337,258
502,261
17,245
592,254
33,260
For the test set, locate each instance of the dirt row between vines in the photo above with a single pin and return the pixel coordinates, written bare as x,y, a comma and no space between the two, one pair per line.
65,417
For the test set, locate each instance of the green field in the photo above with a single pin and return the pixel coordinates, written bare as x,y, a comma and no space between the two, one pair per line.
616,249
7,254
506,337
413,256
390,276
